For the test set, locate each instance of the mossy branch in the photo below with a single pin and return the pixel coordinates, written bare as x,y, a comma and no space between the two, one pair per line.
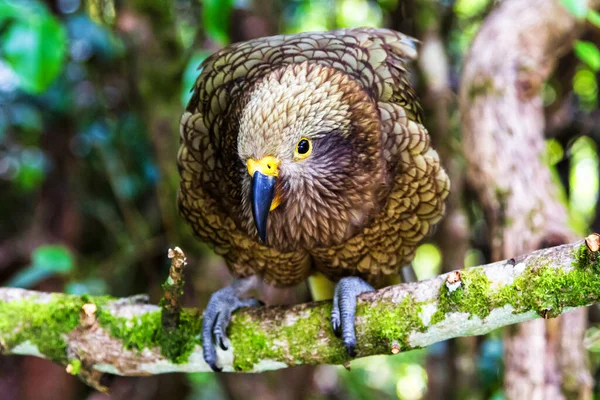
93,335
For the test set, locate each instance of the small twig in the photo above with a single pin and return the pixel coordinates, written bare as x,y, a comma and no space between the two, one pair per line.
173,287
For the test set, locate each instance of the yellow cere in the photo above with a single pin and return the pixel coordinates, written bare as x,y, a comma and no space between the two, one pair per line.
268,165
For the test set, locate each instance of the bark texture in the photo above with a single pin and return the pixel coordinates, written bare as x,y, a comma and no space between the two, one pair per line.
96,335
503,128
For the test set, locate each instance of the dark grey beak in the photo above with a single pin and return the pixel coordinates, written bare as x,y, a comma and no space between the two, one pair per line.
263,191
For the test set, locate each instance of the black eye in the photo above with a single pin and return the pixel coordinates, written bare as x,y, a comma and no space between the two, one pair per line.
303,146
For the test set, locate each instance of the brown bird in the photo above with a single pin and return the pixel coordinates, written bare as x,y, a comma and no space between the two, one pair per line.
304,154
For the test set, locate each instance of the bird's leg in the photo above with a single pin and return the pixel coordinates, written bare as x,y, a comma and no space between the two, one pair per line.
408,274
218,314
344,307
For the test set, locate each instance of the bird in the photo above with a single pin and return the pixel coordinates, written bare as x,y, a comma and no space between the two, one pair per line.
305,155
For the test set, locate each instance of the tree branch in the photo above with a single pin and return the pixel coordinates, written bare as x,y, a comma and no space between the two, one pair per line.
93,335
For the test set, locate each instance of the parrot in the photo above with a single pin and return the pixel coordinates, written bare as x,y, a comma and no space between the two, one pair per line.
304,156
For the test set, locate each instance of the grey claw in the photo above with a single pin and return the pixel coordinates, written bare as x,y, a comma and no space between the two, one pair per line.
335,317
350,347
208,324
344,308
219,330
222,345
217,316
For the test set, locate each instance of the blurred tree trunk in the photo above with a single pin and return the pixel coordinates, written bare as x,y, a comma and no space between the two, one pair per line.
503,123
452,370
151,31
56,220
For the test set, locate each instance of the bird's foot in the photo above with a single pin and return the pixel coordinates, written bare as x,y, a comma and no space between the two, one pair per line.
217,315
344,307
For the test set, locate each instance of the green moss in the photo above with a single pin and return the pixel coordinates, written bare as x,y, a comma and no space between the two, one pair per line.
540,288
548,291
251,344
254,343
46,325
75,367
43,324
315,322
587,260
470,297
178,344
146,331
392,323
531,291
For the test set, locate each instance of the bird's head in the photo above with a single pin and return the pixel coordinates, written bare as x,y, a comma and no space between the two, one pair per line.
309,140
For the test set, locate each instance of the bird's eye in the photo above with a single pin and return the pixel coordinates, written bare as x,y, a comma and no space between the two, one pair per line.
303,149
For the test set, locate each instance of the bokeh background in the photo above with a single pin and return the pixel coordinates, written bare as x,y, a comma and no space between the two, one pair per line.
90,96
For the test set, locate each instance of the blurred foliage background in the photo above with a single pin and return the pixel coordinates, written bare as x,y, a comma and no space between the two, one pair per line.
90,96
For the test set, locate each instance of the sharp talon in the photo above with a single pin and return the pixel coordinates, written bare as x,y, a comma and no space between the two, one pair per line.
214,326
350,348
335,324
222,343
335,316
208,349
336,329
211,358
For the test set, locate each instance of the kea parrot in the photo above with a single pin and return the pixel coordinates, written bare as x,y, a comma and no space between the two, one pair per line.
305,155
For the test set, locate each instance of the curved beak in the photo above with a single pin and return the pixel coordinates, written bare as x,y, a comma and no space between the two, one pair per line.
263,192
263,195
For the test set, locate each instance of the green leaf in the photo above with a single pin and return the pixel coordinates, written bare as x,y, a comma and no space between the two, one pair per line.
46,261
7,11
29,177
216,17
470,8
578,8
53,258
91,286
34,44
591,340
593,17
588,53
28,277
190,74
